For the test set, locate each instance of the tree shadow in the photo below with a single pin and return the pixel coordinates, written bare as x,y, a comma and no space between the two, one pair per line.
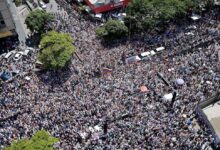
111,43
55,78
33,40
8,44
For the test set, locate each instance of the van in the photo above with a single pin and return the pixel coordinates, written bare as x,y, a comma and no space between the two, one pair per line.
8,55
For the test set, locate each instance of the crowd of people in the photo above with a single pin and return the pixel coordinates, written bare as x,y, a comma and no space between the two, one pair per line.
8,44
96,102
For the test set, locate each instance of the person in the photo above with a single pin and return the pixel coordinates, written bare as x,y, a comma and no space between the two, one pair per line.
46,101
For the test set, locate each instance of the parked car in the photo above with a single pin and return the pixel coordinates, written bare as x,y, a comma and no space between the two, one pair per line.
27,50
9,54
18,56
42,4
98,16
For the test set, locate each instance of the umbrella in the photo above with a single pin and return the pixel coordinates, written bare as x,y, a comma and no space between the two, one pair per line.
180,81
27,78
168,96
97,128
5,76
184,115
209,82
91,129
143,89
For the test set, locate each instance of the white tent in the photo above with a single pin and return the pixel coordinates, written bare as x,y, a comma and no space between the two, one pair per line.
180,81
189,33
160,49
97,128
99,16
132,59
168,97
152,52
195,17
91,129
27,78
144,54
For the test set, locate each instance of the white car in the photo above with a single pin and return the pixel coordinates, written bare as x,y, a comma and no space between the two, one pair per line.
30,48
27,50
42,4
98,16
18,56
9,54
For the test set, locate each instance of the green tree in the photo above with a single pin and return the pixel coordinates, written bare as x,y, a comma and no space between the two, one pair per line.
37,20
144,15
41,140
141,15
113,29
170,9
57,49
208,4
192,5
18,2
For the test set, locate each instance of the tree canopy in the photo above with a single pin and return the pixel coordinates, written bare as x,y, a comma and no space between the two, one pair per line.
57,49
37,20
41,140
143,15
113,29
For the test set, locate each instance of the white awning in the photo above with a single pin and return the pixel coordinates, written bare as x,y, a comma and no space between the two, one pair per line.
132,59
98,15
152,52
168,96
27,78
144,54
160,49
195,17
189,33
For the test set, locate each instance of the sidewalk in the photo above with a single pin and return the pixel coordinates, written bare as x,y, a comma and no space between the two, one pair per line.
53,7
19,14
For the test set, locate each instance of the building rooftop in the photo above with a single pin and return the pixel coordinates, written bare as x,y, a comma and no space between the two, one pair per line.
212,112
99,6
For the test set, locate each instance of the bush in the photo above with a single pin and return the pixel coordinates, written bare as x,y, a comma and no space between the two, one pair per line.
113,29
18,2
101,32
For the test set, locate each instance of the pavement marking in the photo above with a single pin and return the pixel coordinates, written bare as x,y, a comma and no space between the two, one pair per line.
22,10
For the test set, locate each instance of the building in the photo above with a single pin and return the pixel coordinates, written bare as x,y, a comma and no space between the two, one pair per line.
209,114
7,26
100,6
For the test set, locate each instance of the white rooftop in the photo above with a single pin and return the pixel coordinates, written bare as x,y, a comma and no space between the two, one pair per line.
213,114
